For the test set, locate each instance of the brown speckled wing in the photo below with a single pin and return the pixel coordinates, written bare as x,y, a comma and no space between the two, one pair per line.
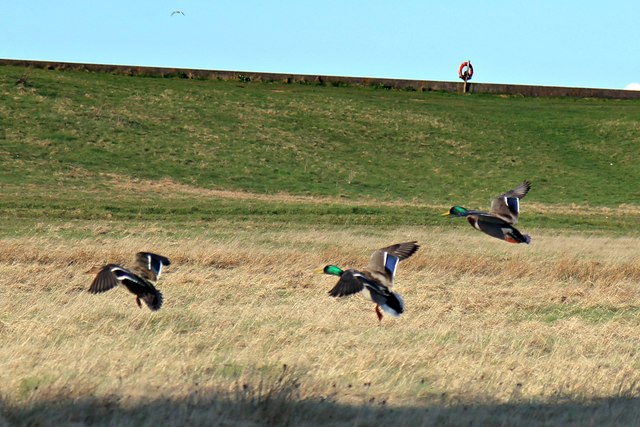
149,265
507,206
384,260
400,250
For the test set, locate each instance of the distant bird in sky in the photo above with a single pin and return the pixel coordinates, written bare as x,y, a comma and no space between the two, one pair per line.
176,12
500,220
375,280
138,279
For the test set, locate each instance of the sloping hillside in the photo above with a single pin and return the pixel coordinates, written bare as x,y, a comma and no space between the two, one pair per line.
76,136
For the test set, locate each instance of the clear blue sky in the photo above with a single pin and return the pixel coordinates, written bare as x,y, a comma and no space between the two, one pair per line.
584,43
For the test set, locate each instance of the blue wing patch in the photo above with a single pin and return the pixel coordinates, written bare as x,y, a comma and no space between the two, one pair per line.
390,263
513,203
156,265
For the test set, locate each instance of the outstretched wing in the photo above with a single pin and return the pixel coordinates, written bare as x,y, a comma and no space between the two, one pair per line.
149,265
112,274
507,206
106,279
348,284
384,261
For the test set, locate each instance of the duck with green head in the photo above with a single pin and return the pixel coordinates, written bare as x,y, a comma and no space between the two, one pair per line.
500,220
375,280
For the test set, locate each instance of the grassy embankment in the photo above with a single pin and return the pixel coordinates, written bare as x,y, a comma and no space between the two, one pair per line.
250,187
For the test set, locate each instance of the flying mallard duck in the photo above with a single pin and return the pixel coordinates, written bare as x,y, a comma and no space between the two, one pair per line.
375,280
500,220
138,279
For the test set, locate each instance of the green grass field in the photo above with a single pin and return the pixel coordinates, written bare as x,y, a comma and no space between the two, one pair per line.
312,140
249,187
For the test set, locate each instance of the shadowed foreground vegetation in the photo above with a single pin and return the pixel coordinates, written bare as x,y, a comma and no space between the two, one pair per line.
246,410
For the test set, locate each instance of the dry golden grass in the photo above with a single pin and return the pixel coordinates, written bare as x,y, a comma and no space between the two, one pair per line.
545,334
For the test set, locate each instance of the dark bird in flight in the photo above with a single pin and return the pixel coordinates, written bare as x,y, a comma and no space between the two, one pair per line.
139,279
176,12
500,220
375,280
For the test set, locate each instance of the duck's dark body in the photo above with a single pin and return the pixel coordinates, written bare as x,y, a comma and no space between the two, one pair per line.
495,227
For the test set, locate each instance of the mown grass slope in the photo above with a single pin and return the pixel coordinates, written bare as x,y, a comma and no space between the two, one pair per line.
314,140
